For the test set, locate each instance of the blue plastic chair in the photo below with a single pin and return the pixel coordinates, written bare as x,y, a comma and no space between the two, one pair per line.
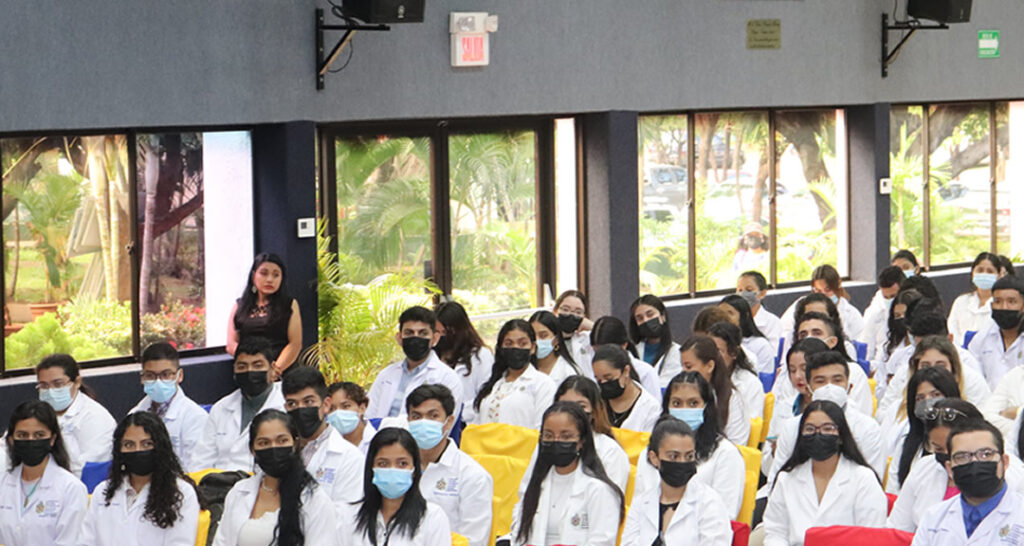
206,407
778,357
94,473
376,422
767,380
968,336
862,355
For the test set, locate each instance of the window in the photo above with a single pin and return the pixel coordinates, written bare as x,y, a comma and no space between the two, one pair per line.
756,176
78,222
966,178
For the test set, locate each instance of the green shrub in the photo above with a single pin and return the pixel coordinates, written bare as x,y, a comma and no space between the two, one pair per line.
46,336
105,320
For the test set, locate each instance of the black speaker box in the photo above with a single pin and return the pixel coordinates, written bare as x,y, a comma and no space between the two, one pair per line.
943,11
385,11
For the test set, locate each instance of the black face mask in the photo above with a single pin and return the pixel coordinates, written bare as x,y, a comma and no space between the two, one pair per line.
415,348
307,419
569,323
514,357
1006,318
942,458
977,479
651,329
275,461
252,383
820,446
32,452
677,474
140,463
558,453
612,389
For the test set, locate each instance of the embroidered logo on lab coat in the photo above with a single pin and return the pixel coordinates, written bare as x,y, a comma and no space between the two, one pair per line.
1012,533
580,521
325,475
447,486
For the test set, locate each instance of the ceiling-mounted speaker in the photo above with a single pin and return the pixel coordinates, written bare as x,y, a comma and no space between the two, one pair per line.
385,11
943,11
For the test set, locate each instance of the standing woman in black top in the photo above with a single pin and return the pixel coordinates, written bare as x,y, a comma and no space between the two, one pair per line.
267,310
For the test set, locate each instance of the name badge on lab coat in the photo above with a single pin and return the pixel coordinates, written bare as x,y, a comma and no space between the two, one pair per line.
1012,534
449,486
580,521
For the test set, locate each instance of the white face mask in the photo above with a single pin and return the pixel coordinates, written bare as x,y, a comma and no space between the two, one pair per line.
832,393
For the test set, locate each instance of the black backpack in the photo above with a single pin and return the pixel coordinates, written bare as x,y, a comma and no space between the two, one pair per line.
213,489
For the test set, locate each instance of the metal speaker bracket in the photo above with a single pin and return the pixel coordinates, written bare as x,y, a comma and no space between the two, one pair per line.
913,26
323,62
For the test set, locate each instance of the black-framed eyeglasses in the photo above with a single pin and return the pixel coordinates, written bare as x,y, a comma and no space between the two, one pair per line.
945,415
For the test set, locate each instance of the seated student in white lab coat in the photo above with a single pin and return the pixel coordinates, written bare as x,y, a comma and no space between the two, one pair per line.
392,510
450,478
753,340
971,310
161,381
826,481
569,498
571,310
348,414
680,510
700,354
753,287
876,316
1000,345
823,327
226,443
727,338
609,329
462,348
85,425
650,330
825,280
265,508
517,392
827,380
629,405
333,462
417,334
41,502
986,511
553,356
146,500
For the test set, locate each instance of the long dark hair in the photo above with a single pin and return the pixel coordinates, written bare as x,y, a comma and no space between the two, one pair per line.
42,412
609,329
665,341
847,445
71,369
587,388
833,281
617,358
588,458
721,380
163,506
831,324
747,325
291,484
500,366
550,321
410,514
730,334
898,327
460,342
279,303
709,433
945,383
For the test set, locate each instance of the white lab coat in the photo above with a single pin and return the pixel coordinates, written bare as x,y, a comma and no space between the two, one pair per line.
317,515
852,497
613,459
943,524
464,490
434,529
582,352
926,485
645,412
737,430
54,515
699,520
987,347
968,315
88,431
338,467
185,421
764,353
751,391
724,473
876,319
648,377
431,371
668,366
852,320
560,371
225,444
1009,393
860,390
120,523
532,393
483,363
592,513
771,326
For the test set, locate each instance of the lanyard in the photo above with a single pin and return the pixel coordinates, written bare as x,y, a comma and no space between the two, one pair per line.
28,496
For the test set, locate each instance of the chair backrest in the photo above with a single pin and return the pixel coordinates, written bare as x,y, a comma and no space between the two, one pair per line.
769,411
633,443
892,500
767,381
94,473
202,535
507,472
499,439
740,533
756,427
856,536
872,385
752,462
459,540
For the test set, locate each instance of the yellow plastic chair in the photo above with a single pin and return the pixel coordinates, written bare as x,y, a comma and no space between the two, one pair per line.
506,472
499,439
873,384
885,478
769,411
756,427
459,540
752,462
633,443
204,528
198,475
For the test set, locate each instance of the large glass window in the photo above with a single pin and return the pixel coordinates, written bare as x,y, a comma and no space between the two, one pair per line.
664,209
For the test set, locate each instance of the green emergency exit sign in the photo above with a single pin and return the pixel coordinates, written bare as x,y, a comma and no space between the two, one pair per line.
988,44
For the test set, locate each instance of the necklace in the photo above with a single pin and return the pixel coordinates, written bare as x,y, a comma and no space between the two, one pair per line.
260,311
267,489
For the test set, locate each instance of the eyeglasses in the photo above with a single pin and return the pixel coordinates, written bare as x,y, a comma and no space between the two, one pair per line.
946,415
56,384
983,454
827,428
166,375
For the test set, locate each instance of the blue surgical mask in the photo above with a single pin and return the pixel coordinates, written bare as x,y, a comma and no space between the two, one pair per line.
544,347
160,391
984,281
691,416
344,421
908,273
426,432
59,398
834,298
393,483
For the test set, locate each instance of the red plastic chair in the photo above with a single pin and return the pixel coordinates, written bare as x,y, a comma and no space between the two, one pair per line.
856,536
892,500
740,533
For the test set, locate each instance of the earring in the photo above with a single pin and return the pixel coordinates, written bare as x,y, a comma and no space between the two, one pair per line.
254,289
